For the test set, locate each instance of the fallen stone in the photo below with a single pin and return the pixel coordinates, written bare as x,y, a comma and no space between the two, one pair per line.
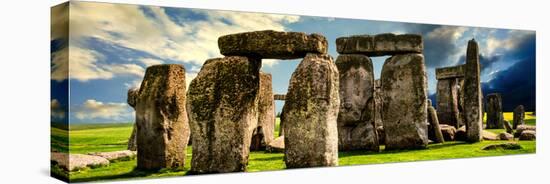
504,146
377,104
460,134
72,162
116,155
448,132
473,114
522,128
380,45
505,136
404,94
508,126
490,136
449,72
519,116
528,135
263,133
277,145
435,129
223,113
310,113
269,44
495,117
356,126
161,118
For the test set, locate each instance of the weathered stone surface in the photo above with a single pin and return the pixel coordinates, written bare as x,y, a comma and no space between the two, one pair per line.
277,145
504,146
272,44
310,113
528,135
434,133
131,99
449,72
116,155
263,133
377,104
489,135
447,102
356,126
404,94
522,128
381,135
508,126
161,118
72,162
473,115
495,117
448,132
279,97
506,136
223,113
519,116
460,134
380,45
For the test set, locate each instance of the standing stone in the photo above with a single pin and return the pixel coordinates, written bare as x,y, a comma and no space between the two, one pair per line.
508,126
131,99
435,130
473,115
263,133
310,113
356,126
447,102
519,116
161,118
404,93
223,113
495,117
377,104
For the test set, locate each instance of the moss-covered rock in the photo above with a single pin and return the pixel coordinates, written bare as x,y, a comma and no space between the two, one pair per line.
404,102
222,103
310,113
356,126
161,118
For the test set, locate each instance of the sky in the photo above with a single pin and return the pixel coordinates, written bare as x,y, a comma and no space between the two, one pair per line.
109,46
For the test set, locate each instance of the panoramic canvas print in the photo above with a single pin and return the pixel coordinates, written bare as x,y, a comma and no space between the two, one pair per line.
146,92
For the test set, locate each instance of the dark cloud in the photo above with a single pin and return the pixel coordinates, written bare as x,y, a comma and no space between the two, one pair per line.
517,84
485,61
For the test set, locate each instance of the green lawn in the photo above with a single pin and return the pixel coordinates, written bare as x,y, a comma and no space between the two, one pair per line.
90,138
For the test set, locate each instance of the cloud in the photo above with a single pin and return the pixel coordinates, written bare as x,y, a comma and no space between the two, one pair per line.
85,65
60,65
57,111
152,30
92,109
441,46
150,61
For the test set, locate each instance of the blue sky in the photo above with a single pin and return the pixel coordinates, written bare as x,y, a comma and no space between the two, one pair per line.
112,44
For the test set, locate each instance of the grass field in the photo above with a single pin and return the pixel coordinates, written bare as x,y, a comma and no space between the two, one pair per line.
111,137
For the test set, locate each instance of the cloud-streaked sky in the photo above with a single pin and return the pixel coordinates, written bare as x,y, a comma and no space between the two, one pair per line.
112,44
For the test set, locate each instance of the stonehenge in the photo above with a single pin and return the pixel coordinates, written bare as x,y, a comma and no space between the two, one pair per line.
330,106
161,118
356,126
473,114
493,106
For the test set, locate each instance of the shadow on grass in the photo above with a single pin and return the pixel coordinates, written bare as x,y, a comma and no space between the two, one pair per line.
344,154
135,173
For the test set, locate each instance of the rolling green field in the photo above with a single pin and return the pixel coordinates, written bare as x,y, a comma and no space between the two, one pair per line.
111,137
